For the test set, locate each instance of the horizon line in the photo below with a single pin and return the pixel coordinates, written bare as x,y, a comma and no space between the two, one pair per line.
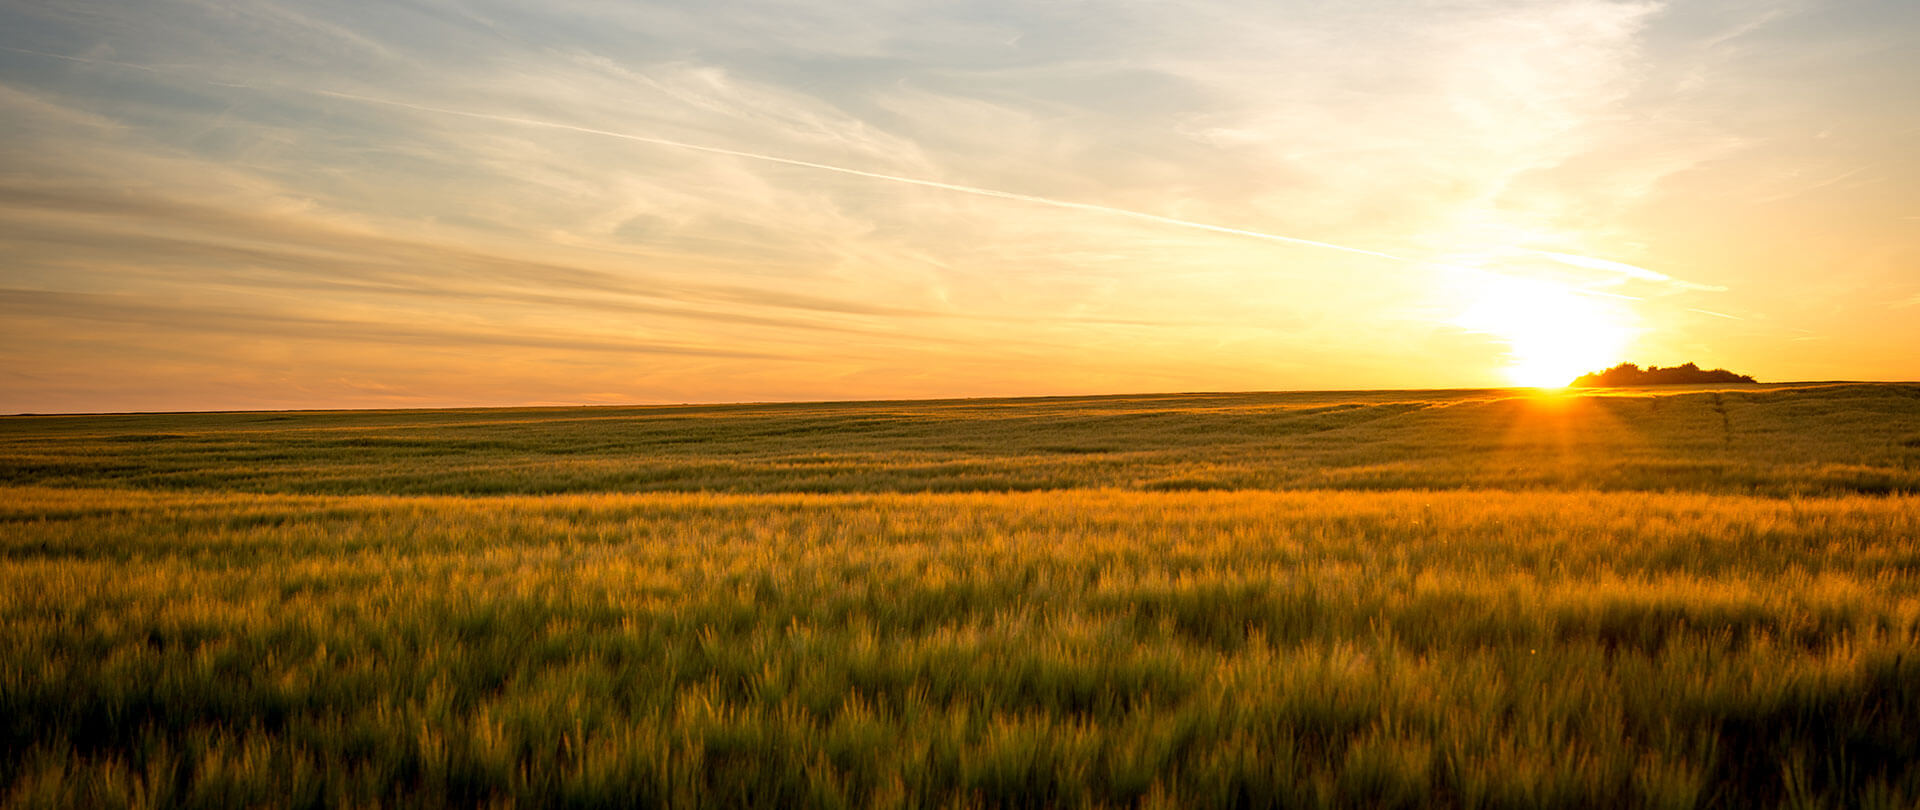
1001,398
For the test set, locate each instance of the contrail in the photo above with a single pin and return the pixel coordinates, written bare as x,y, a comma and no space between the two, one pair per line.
81,59
1624,269
894,178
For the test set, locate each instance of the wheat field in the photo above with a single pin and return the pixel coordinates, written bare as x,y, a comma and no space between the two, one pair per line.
1676,598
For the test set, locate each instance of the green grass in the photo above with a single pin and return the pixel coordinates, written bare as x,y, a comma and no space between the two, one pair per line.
1378,599
1769,440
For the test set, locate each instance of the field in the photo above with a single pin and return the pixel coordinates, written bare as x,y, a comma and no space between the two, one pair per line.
1620,598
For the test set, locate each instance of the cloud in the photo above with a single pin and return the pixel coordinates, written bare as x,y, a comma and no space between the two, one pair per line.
890,178
1279,191
125,225
124,311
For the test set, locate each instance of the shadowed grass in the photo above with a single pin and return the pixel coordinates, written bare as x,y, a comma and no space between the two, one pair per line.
1083,648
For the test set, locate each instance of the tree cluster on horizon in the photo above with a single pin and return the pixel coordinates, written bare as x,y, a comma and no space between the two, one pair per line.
1630,374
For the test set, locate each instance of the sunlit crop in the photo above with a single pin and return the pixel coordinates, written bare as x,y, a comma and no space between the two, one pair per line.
1687,600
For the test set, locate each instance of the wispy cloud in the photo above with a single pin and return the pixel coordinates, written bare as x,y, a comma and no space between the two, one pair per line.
891,178
1001,194
919,198
129,311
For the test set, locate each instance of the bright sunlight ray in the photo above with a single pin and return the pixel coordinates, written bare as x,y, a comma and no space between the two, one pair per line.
1553,333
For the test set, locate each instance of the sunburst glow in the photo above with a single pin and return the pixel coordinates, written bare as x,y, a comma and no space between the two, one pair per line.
1553,332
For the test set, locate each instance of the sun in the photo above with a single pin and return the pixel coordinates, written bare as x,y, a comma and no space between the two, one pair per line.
1553,332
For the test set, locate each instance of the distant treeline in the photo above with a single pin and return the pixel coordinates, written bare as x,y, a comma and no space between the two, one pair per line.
1627,374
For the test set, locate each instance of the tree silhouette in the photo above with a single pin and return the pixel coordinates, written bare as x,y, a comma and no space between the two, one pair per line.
1627,374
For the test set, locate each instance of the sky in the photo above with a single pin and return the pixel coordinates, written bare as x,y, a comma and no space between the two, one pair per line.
266,204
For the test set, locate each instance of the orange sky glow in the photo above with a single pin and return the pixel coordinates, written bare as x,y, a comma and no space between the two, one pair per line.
266,204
